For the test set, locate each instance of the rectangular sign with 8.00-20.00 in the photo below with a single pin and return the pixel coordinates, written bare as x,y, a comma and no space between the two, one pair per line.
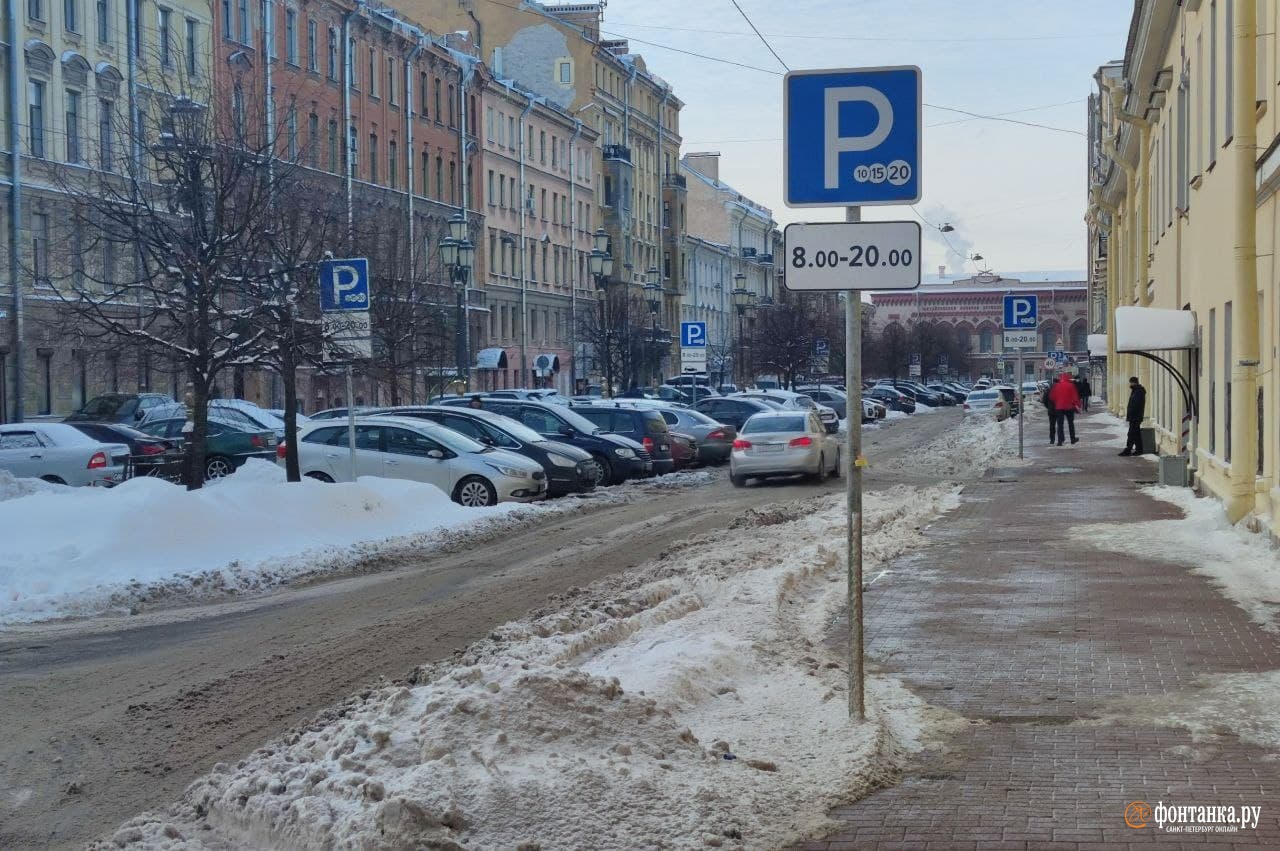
852,256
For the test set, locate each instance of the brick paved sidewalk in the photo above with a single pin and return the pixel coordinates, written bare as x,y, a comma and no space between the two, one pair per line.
1006,621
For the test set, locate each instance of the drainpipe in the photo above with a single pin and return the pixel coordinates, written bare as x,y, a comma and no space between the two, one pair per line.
573,263
524,257
268,101
408,144
661,176
1244,331
466,72
15,218
348,123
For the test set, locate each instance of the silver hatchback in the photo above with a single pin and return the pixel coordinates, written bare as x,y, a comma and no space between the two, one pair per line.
784,443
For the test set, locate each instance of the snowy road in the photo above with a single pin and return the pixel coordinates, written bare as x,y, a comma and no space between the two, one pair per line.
104,721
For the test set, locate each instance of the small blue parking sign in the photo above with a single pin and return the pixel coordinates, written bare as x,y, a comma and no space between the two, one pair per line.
344,285
852,136
693,335
1020,312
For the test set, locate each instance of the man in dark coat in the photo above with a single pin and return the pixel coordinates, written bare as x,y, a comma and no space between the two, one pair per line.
1085,390
1134,415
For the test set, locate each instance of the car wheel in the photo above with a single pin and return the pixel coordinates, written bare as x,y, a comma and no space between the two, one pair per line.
821,475
738,481
604,471
217,467
320,477
475,492
53,480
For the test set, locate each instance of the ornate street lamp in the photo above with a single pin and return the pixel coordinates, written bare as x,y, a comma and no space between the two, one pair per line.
653,292
459,255
743,300
600,265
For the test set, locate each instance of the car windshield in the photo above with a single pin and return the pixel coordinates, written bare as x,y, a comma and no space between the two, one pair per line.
259,417
454,440
578,421
233,418
758,424
104,406
699,417
515,428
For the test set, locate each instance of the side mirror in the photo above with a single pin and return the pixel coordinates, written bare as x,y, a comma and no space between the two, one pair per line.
567,430
436,454
139,414
486,440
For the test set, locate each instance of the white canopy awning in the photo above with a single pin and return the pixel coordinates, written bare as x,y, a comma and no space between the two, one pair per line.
1097,345
1151,329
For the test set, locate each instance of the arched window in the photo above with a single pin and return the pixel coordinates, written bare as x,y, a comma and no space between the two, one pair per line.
986,341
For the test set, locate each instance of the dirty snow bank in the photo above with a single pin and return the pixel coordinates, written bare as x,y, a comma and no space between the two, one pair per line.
12,487
691,703
1242,565
967,450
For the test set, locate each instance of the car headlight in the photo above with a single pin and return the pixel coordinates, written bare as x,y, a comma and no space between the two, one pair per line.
624,452
510,471
561,460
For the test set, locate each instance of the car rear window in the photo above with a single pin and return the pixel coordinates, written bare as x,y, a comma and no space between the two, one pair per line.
983,396
757,424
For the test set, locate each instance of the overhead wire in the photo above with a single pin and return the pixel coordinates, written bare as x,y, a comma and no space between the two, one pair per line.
828,37
756,30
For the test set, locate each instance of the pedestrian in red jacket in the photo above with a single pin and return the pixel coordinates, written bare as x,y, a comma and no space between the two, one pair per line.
1066,401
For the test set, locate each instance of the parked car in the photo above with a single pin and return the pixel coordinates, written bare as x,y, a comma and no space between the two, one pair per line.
618,457
149,455
892,397
921,393
873,409
733,410
279,412
62,454
227,446
789,400
988,402
1011,398
568,468
1030,389
827,395
715,439
549,395
954,395
127,408
471,473
260,417
726,389
644,425
335,413
784,443
684,450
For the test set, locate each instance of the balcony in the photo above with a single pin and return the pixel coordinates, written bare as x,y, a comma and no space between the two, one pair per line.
677,180
748,252
617,152
766,259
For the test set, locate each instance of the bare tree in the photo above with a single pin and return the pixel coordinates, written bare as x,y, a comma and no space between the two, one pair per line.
785,335
619,329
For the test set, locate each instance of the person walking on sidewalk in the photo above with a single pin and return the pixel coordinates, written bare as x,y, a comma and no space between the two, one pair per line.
1053,415
1134,415
1085,391
1066,401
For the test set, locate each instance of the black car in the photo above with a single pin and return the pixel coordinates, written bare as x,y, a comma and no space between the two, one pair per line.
643,425
921,397
149,455
945,390
569,469
617,457
734,412
126,408
892,398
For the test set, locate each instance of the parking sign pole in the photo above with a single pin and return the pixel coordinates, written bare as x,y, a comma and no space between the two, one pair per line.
351,421
1022,404
853,486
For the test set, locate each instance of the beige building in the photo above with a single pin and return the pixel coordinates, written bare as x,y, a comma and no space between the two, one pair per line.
1185,164
77,83
538,176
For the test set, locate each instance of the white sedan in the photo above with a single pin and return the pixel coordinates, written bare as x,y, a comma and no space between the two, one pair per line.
784,443
471,473
62,454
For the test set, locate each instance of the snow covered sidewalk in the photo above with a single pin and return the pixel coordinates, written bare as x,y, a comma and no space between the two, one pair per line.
692,703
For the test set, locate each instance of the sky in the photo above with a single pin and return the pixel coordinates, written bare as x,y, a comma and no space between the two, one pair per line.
1014,194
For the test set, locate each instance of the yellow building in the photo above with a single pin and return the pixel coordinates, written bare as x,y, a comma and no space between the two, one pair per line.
1183,215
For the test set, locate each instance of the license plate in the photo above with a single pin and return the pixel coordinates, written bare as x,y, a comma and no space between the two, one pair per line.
766,448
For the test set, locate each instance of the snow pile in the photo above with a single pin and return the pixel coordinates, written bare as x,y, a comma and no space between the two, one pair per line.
70,551
692,703
12,487
967,450
1244,566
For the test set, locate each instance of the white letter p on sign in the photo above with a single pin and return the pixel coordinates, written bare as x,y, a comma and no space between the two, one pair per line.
834,144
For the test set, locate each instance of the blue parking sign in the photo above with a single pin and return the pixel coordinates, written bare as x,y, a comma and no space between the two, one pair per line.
693,335
852,136
1020,312
344,285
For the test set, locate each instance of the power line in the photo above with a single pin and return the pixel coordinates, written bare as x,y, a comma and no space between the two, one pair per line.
1008,120
939,40
688,52
756,30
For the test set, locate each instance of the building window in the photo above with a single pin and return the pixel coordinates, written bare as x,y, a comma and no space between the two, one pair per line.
453,118
373,75
244,21
226,19
391,79
40,248
491,197
422,93
291,36
312,59
71,15
564,72
353,158
313,138
35,10
106,131
351,64
46,380
164,37
986,341
35,117
73,126
439,178
542,146
333,54
393,176
104,21
291,129
237,111
193,49
373,157
426,172
333,146
453,182
108,265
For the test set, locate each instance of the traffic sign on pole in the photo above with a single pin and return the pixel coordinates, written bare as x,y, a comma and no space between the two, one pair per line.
1021,312
852,255
852,136
346,326
693,335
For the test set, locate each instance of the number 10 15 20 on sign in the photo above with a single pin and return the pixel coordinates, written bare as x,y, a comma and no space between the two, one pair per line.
852,256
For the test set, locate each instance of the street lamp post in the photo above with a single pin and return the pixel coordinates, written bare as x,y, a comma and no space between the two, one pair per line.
459,255
600,265
653,289
742,300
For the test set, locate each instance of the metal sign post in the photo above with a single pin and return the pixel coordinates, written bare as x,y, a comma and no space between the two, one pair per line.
1022,405
351,421
346,327
1021,318
852,137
